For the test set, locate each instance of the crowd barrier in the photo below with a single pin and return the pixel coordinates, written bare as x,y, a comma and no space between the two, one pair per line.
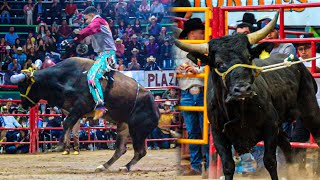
34,130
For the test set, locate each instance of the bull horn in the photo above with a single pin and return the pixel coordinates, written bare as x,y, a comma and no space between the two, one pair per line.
17,78
262,33
199,48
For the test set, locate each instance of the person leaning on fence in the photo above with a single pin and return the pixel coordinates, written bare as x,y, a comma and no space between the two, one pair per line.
192,94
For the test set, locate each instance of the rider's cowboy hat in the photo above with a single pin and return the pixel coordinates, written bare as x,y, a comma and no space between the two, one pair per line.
153,18
151,58
134,50
118,40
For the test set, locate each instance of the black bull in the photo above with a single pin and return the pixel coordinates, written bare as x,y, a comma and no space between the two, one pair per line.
244,109
130,106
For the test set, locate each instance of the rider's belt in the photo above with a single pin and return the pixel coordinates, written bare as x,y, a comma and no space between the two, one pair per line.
195,90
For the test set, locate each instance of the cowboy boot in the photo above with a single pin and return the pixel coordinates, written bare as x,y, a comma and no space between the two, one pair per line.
99,112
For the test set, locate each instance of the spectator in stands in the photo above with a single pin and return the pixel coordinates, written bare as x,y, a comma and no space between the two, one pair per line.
70,9
250,19
191,94
99,10
50,42
64,31
28,46
132,8
154,28
20,56
108,10
137,26
129,30
41,49
77,20
121,66
31,37
120,48
3,46
165,52
144,10
244,28
157,9
135,54
20,148
163,35
151,64
121,28
134,44
182,3
170,94
121,10
47,62
14,66
16,45
32,55
5,12
152,49
39,12
166,119
134,65
28,64
11,36
6,58
42,29
55,12
28,12
54,121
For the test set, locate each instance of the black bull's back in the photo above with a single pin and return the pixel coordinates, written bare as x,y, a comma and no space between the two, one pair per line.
65,85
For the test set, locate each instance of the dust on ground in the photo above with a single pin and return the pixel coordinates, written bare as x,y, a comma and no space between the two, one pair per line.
157,164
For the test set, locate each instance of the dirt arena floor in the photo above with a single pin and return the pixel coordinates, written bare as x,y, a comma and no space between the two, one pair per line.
157,164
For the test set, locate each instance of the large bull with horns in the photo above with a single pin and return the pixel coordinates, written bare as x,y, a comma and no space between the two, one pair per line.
245,107
64,85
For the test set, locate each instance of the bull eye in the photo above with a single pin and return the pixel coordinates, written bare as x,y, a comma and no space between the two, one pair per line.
219,65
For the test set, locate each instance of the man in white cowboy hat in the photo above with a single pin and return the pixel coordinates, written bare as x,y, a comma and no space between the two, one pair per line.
151,64
134,43
154,28
103,44
20,56
120,48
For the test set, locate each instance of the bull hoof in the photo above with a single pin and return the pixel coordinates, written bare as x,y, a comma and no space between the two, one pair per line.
100,168
123,169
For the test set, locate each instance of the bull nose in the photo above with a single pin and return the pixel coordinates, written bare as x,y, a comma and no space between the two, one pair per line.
239,90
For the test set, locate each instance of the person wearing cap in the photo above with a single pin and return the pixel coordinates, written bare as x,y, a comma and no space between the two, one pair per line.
152,48
20,56
154,27
192,94
120,48
162,131
103,44
282,48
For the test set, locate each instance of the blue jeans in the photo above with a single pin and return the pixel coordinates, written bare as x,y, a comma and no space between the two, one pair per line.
3,16
158,134
194,126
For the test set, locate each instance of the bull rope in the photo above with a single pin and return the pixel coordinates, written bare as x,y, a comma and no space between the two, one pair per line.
286,63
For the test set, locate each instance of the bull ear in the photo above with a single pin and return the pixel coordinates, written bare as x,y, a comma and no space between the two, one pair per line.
195,56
